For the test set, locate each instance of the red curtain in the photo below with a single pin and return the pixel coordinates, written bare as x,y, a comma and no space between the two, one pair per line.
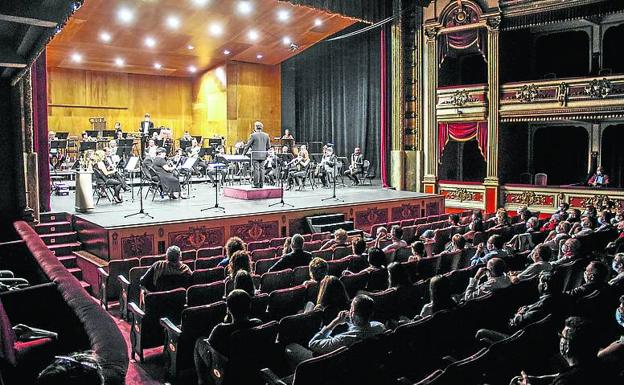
462,132
40,128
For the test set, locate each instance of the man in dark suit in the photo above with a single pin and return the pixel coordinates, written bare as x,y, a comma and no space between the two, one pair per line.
357,166
298,257
259,143
146,124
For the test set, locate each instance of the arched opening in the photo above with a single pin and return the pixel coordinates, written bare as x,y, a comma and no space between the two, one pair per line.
462,69
555,59
612,157
561,152
612,49
462,161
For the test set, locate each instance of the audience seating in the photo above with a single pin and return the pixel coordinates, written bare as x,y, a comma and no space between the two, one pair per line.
130,289
336,267
200,276
299,328
259,254
256,245
276,280
323,254
277,242
149,260
208,252
355,282
107,279
208,262
313,245
262,266
205,294
402,254
284,302
301,274
341,252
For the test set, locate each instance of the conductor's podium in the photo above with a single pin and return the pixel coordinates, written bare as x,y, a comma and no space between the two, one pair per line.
250,193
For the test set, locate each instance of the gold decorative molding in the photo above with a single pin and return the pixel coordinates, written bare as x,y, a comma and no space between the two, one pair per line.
431,33
528,198
462,194
599,88
528,93
493,23
563,93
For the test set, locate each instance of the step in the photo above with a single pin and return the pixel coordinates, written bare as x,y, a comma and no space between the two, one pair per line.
53,217
76,272
86,286
59,238
53,227
69,261
61,250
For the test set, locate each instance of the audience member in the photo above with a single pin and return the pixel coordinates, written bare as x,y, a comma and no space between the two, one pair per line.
562,212
159,275
232,245
238,308
396,242
618,267
496,279
595,279
243,281
340,240
585,227
240,260
570,251
540,255
493,248
73,369
440,296
418,252
332,298
453,220
555,237
614,353
298,256
575,216
318,270
378,274
457,243
359,258
287,247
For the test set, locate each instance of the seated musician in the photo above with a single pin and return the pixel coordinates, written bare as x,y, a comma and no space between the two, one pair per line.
150,150
270,167
298,168
110,176
357,166
599,179
112,159
186,137
287,135
193,152
219,167
167,137
325,169
87,138
117,129
168,181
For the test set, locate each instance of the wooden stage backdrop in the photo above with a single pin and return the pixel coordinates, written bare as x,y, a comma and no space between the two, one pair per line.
132,241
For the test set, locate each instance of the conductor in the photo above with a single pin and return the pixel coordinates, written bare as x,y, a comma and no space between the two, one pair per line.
259,143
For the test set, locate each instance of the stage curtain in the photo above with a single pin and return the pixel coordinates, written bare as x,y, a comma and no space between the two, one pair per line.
363,10
463,132
331,93
40,129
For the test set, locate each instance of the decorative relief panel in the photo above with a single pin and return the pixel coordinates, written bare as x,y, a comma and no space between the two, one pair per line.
197,237
405,211
256,230
366,218
462,195
530,198
137,245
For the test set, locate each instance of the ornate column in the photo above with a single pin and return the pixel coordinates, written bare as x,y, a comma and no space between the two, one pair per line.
397,154
430,121
491,181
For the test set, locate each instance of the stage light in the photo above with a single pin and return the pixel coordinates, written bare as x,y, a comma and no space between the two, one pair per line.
105,37
200,3
253,35
318,22
150,42
259,56
157,66
192,69
119,62
226,52
76,57
125,15
286,40
283,15
244,7
216,29
173,22
190,47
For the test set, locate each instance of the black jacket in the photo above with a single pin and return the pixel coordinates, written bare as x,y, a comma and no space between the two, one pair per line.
292,260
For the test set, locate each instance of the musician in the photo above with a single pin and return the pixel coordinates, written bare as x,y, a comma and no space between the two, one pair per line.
270,166
186,137
146,124
110,176
193,152
87,138
287,135
357,166
167,137
259,143
599,179
219,167
298,168
150,150
112,159
117,126
169,182
326,166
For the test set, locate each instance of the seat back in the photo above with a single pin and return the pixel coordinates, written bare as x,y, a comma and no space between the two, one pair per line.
259,304
447,260
355,282
321,236
170,282
201,276
189,255
385,305
149,260
207,252
256,245
134,275
300,328
323,254
276,280
428,267
259,254
377,280
157,305
204,294
301,274
285,302
341,252
402,254
336,267
207,262
322,369
250,351
442,236
118,267
262,266
313,245
277,242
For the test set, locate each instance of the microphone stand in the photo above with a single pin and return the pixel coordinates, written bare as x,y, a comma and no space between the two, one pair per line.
141,209
281,202
335,176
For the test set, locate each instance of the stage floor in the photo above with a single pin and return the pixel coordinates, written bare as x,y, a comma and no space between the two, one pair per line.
111,216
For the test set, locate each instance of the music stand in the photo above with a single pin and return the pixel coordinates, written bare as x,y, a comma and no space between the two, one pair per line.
279,174
108,133
334,197
129,168
216,205
151,131
141,209
184,144
288,142
93,133
86,146
62,135
188,165
198,138
215,142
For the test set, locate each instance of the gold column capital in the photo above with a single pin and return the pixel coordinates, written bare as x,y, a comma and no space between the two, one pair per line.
431,34
493,23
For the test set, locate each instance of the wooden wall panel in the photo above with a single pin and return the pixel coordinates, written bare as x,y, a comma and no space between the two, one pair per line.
76,95
210,104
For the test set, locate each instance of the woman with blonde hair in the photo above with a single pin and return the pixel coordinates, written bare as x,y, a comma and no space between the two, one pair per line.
110,178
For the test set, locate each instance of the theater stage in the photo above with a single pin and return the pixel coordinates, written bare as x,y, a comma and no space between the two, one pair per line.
107,234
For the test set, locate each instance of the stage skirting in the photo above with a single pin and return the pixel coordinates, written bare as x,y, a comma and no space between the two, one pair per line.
137,240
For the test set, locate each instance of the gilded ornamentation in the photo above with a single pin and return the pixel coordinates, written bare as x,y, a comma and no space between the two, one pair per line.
560,198
431,33
461,194
598,88
460,97
528,93
563,93
529,198
600,200
493,23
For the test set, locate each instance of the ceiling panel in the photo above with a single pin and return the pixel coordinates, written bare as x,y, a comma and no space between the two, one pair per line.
82,33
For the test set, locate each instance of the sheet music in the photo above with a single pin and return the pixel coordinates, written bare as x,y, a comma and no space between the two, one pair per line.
236,158
132,163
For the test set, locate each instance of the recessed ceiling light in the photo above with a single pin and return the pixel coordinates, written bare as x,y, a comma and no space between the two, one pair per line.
318,22
286,40
283,15
190,47
125,15
259,56
226,52
105,37
200,3
173,22
244,7
157,66
76,57
216,29
192,69
150,42
119,62
253,35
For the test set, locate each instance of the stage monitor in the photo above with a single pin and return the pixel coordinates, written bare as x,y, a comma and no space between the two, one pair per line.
62,135
93,133
85,146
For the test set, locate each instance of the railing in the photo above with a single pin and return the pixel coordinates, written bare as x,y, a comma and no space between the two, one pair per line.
465,195
462,103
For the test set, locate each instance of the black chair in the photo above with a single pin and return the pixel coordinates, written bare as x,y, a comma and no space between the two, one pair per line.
102,187
205,294
368,172
355,282
285,302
